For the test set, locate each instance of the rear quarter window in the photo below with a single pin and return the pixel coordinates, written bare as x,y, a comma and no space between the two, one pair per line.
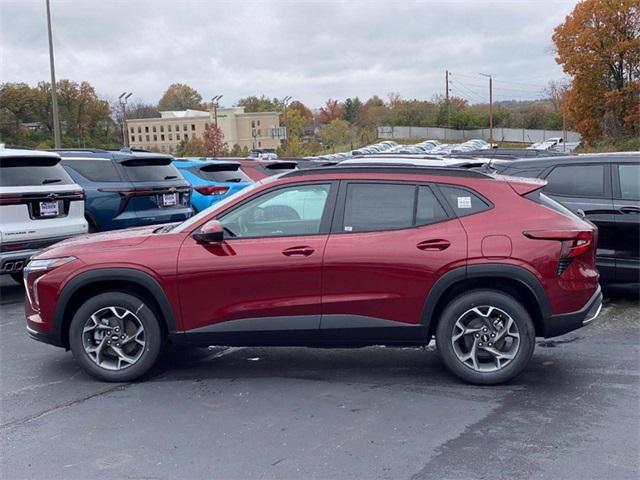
30,171
464,202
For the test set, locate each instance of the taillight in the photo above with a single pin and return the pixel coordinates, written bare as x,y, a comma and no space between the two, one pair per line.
211,190
574,243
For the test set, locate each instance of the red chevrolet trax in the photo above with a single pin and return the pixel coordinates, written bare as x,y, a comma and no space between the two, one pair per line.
331,257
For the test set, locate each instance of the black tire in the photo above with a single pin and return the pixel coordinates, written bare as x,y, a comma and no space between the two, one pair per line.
91,225
446,330
17,277
143,313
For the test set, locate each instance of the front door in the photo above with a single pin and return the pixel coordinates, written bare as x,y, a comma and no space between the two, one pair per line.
266,274
626,204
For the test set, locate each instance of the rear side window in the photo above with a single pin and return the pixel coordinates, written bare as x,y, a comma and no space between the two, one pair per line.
95,170
463,201
25,171
577,181
629,181
149,170
375,206
227,173
428,209
526,173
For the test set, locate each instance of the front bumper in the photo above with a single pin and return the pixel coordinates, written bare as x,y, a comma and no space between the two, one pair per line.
14,262
48,338
567,322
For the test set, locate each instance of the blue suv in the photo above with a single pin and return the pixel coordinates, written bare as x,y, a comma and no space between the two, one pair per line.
212,180
128,188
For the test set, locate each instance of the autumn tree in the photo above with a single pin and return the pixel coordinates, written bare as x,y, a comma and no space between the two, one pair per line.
142,110
301,108
352,109
332,110
214,144
180,97
598,45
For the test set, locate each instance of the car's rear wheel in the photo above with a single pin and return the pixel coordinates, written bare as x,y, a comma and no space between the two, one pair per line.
485,337
115,337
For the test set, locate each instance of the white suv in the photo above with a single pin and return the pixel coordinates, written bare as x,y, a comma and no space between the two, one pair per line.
39,205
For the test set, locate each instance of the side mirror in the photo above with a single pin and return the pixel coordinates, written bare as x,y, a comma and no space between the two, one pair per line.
210,233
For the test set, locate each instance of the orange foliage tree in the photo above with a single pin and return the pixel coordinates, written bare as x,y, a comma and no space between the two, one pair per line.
598,45
214,144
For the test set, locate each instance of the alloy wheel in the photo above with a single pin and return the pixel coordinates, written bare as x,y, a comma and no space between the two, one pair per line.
114,338
485,338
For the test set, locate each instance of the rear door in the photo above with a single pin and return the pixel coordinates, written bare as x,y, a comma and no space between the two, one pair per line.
587,187
626,204
390,242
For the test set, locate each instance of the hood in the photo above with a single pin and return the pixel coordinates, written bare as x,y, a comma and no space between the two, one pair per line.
106,240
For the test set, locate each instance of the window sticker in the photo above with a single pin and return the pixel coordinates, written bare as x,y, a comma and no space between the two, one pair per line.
464,202
348,229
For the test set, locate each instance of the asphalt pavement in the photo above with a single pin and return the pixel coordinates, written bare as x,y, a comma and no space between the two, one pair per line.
297,413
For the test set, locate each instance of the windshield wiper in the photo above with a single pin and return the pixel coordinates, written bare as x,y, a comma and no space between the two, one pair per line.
51,180
170,177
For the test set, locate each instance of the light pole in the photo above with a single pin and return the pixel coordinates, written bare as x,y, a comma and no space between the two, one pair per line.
54,99
490,107
215,102
122,99
285,101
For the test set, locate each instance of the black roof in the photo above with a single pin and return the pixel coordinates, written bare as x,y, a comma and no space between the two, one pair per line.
615,157
408,169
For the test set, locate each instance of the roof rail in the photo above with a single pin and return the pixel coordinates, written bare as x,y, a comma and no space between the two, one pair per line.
378,168
90,150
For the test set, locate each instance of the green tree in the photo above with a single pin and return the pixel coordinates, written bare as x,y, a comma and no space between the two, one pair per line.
335,133
295,124
260,104
180,97
194,147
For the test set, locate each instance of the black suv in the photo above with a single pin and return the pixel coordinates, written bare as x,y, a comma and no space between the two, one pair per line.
605,187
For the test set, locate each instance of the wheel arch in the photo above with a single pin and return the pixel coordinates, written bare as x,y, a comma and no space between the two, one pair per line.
511,279
127,280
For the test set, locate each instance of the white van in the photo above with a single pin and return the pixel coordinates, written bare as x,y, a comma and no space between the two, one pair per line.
39,205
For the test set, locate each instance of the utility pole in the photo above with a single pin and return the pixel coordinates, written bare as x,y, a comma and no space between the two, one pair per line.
215,102
122,99
285,100
54,98
447,101
490,107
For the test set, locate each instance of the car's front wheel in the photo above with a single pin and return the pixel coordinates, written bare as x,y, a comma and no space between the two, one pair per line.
485,337
115,337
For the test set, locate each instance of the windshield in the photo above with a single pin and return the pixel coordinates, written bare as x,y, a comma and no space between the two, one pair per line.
187,224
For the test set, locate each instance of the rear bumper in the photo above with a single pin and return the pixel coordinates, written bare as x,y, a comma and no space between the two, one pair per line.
14,261
567,322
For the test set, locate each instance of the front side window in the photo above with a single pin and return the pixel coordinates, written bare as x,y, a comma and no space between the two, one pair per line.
376,206
296,210
577,181
629,181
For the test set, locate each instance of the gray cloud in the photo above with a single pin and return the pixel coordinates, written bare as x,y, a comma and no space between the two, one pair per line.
310,50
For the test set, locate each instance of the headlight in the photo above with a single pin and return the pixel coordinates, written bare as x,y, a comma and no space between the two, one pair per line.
46,264
35,271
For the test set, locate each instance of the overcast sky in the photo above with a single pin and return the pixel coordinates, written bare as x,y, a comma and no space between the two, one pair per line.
307,49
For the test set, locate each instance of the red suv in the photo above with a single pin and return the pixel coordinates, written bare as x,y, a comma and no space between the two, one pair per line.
339,256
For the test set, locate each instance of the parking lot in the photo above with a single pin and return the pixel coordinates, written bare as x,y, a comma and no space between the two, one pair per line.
315,413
